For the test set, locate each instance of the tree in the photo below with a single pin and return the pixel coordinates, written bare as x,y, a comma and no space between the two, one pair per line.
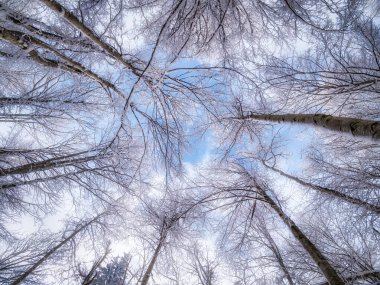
331,192
168,221
203,267
356,127
246,189
102,102
23,264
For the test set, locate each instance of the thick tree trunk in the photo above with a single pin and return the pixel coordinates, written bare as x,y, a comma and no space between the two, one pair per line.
352,200
328,271
48,254
356,127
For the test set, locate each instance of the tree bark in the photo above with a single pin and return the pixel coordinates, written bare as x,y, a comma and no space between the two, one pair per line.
331,192
354,126
30,24
328,271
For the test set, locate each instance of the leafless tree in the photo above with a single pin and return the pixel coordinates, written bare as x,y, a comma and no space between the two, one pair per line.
22,261
90,113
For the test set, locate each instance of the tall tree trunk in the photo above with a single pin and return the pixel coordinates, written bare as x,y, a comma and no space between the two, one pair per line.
47,164
328,271
90,276
331,192
48,254
273,247
149,270
356,127
11,185
75,22
37,28
10,101
27,42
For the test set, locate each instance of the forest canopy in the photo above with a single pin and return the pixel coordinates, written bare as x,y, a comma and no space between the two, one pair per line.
189,142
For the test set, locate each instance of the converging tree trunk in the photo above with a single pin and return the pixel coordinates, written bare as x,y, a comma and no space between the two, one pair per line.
50,252
275,250
331,192
75,22
328,271
28,42
152,262
354,126
55,162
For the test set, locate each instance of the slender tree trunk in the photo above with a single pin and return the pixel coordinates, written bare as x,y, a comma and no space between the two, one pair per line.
356,127
149,270
328,271
26,42
11,185
30,24
75,22
90,276
273,247
48,254
352,200
46,165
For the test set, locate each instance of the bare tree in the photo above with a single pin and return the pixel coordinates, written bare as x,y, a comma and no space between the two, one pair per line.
203,266
331,192
89,112
23,262
247,190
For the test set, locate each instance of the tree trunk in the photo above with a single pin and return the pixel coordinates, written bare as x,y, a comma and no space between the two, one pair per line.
149,270
74,21
328,271
11,185
356,127
46,256
26,42
273,247
352,200
47,164
27,23
9,101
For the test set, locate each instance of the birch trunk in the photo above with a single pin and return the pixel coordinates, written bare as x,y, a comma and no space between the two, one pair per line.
356,127
45,165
